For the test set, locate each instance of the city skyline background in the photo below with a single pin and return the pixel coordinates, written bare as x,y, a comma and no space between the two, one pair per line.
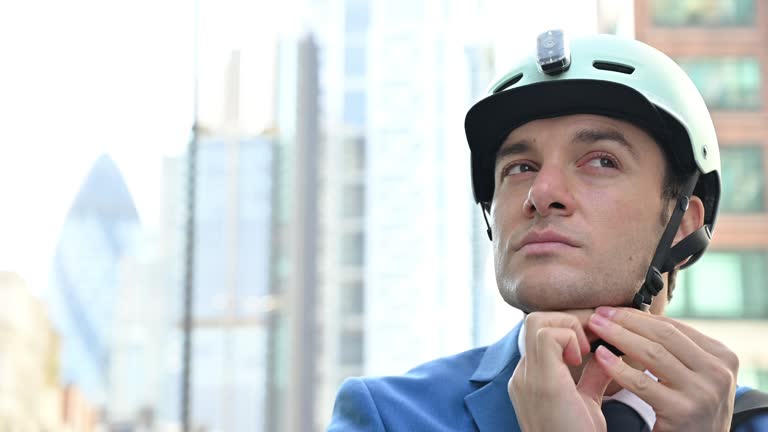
336,233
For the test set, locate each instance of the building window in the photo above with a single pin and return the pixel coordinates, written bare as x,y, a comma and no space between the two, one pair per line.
352,298
355,16
351,347
354,108
723,284
352,247
354,154
743,179
353,201
726,82
354,59
703,12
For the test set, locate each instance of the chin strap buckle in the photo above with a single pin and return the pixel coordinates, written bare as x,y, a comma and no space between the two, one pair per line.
653,284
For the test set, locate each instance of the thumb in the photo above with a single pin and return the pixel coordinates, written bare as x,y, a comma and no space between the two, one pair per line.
593,381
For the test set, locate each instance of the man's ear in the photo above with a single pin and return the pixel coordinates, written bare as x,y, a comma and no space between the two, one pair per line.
693,219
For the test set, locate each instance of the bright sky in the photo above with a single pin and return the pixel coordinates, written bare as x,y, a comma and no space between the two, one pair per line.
86,77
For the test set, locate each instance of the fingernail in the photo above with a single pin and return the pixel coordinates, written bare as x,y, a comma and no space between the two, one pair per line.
604,355
599,320
606,311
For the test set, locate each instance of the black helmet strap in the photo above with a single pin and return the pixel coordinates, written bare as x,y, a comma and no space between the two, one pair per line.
667,257
485,217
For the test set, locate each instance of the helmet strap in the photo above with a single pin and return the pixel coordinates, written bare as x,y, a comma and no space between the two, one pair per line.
487,225
667,257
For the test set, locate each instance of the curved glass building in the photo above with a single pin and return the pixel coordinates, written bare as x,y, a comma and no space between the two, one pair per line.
100,229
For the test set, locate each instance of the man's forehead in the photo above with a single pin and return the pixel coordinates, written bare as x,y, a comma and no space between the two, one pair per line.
578,127
530,129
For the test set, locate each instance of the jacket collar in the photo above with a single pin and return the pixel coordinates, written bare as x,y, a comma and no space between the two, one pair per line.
489,405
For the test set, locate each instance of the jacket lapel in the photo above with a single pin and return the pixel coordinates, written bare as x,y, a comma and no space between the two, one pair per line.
489,405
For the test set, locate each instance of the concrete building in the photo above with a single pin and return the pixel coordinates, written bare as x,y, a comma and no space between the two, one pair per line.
29,354
722,46
293,334
31,398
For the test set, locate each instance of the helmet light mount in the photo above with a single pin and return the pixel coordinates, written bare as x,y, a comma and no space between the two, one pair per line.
553,55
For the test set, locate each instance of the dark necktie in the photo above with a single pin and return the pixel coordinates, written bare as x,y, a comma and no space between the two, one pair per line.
622,418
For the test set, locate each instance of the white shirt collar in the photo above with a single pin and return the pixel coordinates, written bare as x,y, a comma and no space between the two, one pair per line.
625,396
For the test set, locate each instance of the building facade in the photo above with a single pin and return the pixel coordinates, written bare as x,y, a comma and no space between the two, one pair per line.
231,271
100,229
342,32
722,46
292,361
29,376
31,397
418,220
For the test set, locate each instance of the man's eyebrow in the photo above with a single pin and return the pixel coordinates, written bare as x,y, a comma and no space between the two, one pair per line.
520,146
589,136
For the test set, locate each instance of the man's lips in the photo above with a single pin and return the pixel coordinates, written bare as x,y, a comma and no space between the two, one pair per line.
546,239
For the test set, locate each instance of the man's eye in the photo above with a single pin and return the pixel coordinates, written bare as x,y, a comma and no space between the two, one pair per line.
602,162
519,168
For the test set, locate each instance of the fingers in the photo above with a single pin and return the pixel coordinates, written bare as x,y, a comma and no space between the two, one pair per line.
697,372
633,380
643,346
695,350
706,343
574,322
555,345
594,380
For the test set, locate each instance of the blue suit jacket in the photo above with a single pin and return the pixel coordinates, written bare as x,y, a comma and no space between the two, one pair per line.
464,392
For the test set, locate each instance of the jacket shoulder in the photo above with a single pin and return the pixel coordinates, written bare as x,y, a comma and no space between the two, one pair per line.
355,409
756,423
750,411
428,397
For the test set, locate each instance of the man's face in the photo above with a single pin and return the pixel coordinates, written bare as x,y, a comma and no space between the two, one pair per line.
576,212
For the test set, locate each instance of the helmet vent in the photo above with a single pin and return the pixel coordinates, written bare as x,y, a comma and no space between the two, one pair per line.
614,67
508,83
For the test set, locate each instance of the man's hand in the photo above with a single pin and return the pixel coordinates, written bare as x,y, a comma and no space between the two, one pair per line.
542,389
697,374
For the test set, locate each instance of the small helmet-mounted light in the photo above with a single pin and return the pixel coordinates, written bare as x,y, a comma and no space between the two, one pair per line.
552,52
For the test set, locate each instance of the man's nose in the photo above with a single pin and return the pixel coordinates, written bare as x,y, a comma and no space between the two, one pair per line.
549,194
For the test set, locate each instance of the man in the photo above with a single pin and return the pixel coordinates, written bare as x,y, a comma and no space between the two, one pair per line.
598,171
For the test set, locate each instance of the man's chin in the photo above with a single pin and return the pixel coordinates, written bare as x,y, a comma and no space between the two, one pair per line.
561,303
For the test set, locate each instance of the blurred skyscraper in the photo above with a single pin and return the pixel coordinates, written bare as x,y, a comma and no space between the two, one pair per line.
722,46
99,231
142,343
293,345
376,89
343,42
232,250
419,218
234,187
231,268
